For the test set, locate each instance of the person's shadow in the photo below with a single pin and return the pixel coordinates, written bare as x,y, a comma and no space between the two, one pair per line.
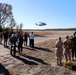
71,66
3,70
44,49
35,59
26,61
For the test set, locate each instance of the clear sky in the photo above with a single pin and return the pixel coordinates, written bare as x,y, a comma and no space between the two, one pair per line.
55,13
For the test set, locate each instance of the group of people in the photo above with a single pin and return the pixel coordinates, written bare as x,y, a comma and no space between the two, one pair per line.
66,48
16,40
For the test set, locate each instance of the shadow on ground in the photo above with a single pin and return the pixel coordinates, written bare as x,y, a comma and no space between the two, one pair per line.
39,48
34,49
26,61
39,35
35,59
3,70
43,49
29,48
71,66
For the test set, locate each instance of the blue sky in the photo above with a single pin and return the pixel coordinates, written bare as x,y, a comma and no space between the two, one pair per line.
55,13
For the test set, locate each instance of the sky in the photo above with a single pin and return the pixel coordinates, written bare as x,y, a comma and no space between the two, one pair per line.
55,13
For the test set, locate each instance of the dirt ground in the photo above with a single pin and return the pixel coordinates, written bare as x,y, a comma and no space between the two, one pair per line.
40,60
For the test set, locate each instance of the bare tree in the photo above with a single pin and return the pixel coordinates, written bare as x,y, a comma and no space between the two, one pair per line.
17,28
5,14
21,25
12,23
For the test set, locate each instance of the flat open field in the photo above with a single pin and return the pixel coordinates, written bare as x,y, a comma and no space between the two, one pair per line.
41,36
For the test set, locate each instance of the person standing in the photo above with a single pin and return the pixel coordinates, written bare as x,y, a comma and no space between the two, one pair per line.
13,40
67,52
20,44
31,37
73,40
5,38
59,53
25,38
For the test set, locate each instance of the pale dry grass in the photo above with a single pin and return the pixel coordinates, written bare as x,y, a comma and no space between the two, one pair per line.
41,33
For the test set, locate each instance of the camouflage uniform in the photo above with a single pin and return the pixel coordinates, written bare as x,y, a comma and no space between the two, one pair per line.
59,52
67,53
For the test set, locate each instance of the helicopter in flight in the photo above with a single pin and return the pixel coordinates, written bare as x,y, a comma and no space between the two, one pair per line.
40,24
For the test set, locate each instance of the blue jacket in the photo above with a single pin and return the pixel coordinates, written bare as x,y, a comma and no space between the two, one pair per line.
13,39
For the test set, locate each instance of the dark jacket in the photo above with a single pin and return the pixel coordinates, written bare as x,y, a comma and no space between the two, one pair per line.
5,35
13,39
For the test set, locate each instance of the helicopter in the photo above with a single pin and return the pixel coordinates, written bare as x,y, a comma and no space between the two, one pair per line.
40,24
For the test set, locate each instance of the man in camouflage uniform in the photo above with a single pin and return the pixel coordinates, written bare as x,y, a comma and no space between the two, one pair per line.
67,52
